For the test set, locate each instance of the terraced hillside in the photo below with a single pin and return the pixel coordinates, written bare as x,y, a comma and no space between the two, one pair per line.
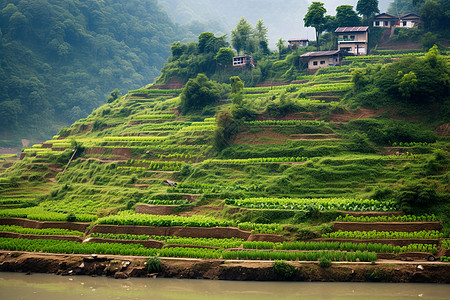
140,171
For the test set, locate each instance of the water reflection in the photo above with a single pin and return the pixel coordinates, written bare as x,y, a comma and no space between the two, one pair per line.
52,287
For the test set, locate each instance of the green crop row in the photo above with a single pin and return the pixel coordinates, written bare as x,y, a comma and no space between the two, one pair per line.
445,259
321,204
445,244
368,57
405,218
341,246
155,117
157,166
300,256
205,242
129,218
68,247
331,87
35,231
161,127
39,214
364,235
148,91
261,228
285,123
167,202
120,236
256,160
174,240
133,139
204,127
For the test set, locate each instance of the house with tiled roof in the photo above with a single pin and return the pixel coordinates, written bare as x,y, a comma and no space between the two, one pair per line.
385,20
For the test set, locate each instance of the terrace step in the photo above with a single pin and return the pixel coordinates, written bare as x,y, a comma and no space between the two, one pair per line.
387,226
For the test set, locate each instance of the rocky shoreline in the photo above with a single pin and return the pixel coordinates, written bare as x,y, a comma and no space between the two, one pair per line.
122,267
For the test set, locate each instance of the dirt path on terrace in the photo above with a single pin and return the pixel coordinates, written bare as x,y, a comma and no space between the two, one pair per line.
362,113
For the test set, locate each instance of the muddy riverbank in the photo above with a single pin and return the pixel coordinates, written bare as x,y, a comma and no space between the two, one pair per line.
128,266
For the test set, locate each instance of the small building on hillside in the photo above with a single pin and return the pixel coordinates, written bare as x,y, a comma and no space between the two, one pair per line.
409,20
298,43
242,61
385,20
354,40
322,59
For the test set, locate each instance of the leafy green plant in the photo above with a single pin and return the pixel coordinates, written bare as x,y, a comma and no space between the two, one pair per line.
284,269
154,264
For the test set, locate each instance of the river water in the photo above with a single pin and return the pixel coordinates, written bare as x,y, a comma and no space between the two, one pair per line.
52,287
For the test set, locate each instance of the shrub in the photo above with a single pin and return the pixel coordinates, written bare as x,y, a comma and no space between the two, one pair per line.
284,269
154,264
325,263
71,217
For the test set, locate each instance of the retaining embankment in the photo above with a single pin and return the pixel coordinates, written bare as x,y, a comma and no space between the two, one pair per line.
195,232
146,244
15,235
44,224
387,226
393,242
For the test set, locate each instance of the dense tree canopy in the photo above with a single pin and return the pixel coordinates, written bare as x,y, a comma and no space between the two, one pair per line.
315,17
367,8
198,93
61,59
346,16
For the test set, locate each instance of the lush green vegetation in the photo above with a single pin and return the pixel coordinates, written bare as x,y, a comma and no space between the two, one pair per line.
405,218
45,231
284,158
364,235
341,246
85,49
320,204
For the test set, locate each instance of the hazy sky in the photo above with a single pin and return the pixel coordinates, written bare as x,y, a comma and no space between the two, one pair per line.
284,18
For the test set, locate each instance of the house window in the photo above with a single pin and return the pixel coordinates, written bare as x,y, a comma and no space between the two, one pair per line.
345,37
404,24
352,37
322,62
377,23
315,63
386,23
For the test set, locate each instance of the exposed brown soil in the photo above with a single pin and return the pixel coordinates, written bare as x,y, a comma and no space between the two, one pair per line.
362,113
261,138
128,266
41,224
443,130
292,116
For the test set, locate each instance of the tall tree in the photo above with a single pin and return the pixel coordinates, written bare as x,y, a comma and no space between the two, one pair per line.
261,36
315,17
241,37
367,8
346,16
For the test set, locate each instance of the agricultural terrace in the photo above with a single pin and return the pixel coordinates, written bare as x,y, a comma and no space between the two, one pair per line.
311,170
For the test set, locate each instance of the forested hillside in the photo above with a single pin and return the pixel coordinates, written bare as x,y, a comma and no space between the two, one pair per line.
60,59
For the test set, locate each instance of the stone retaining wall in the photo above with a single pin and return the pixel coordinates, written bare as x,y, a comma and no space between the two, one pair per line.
43,224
